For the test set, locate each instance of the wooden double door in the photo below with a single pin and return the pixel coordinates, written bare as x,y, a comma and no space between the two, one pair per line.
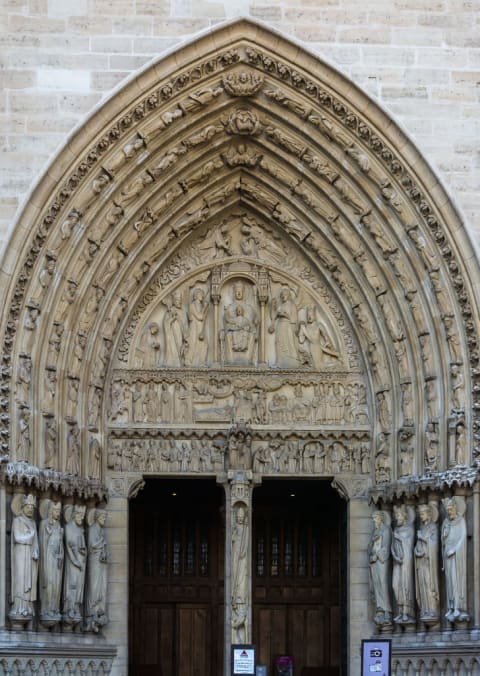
177,545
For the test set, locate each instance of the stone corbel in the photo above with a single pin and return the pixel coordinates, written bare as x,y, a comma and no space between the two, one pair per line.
352,488
126,486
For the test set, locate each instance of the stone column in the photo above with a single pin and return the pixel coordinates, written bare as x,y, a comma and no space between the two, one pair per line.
359,530
121,490
476,553
238,568
3,554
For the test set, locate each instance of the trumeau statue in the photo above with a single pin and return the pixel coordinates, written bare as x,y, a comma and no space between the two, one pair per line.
402,555
240,558
25,553
96,612
454,553
379,559
51,562
75,563
426,564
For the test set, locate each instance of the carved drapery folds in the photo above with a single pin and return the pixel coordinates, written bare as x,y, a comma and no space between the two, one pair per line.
58,564
419,568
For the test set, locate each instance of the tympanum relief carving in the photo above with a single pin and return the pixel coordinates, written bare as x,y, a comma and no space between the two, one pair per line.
249,338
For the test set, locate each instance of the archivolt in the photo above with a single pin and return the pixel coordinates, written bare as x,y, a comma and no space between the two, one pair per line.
240,117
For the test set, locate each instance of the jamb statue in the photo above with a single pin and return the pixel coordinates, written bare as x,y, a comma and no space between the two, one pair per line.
379,558
96,615
76,559
454,553
25,553
51,562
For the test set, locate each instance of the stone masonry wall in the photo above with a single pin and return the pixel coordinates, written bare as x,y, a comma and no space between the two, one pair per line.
418,58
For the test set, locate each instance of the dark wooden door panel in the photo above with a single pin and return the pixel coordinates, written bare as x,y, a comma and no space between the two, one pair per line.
194,630
176,580
296,575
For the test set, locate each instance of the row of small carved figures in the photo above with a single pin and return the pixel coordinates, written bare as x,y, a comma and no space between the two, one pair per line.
149,404
275,456
405,565
63,567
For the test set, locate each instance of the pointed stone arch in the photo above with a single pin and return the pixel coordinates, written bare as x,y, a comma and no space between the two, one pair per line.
241,123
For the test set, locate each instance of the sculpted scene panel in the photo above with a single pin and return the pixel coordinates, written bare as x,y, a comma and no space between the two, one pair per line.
249,301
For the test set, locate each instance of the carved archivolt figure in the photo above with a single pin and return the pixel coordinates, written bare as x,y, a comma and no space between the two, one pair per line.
426,564
379,560
284,325
73,450
197,314
75,563
97,570
175,325
51,562
24,560
240,329
402,554
454,552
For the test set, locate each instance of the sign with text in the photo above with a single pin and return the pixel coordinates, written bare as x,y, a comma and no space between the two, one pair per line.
376,657
243,659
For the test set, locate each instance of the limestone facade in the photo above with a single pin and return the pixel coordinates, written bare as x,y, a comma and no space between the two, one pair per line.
242,268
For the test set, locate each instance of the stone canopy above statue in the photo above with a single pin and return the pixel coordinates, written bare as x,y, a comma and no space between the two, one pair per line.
247,300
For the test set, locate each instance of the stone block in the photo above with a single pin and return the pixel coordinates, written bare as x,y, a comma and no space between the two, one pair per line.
67,8
178,27
128,63
112,44
404,93
418,36
136,26
115,7
105,80
17,79
35,24
90,25
156,45
314,33
77,103
266,12
63,79
365,34
30,102
145,7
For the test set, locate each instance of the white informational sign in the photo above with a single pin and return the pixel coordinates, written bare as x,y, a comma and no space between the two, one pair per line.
243,660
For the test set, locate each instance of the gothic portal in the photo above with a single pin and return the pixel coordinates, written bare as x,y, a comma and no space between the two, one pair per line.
241,272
